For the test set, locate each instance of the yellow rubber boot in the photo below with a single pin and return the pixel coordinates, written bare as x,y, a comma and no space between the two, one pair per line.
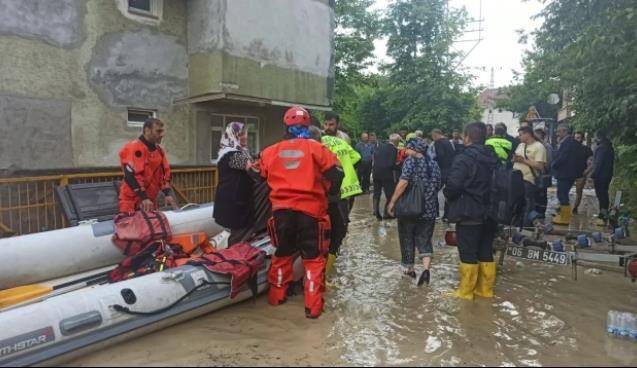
486,280
468,280
564,217
329,267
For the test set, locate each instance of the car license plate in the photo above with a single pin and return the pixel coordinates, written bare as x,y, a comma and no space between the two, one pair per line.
540,255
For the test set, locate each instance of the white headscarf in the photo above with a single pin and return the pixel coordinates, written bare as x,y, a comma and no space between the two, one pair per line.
230,140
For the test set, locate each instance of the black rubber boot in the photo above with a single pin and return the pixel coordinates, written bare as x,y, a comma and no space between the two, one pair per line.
377,209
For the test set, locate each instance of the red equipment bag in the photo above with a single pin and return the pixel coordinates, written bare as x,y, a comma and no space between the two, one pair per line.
135,232
155,257
241,261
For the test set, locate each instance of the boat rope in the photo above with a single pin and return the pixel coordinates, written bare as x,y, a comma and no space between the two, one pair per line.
125,310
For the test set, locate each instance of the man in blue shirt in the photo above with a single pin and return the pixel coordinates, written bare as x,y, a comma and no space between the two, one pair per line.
366,149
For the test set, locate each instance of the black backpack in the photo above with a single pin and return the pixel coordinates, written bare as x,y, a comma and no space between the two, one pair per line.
506,199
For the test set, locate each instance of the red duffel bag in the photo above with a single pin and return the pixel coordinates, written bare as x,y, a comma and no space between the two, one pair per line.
135,232
241,262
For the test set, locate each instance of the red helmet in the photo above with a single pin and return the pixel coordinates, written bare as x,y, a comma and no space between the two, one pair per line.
297,115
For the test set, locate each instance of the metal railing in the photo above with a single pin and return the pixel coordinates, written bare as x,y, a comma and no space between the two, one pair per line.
28,204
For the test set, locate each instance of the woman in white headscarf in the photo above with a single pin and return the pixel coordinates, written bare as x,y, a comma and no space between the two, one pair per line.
233,199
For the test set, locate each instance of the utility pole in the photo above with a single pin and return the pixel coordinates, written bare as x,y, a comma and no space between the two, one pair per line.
490,117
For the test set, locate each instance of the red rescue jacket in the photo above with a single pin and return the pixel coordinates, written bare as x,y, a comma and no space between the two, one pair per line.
294,171
151,169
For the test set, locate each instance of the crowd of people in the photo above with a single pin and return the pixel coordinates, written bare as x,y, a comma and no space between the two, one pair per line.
313,176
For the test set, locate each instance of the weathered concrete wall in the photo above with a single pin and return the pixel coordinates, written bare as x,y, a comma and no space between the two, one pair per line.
293,34
35,133
56,22
89,72
99,60
141,69
279,49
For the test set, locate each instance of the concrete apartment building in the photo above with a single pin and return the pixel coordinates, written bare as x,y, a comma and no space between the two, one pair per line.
77,77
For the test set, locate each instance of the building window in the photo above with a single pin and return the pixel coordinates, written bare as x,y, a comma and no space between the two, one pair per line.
218,125
149,8
137,117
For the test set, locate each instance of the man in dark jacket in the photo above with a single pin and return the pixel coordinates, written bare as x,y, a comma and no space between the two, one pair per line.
444,153
364,170
385,172
586,159
603,171
457,141
567,167
467,190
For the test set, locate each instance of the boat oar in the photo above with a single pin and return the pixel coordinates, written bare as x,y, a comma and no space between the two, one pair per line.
36,292
21,294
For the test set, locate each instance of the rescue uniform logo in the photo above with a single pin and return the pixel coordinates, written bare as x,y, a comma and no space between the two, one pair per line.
291,158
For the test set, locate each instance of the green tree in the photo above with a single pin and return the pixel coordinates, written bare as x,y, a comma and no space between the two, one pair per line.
589,47
421,88
424,87
356,30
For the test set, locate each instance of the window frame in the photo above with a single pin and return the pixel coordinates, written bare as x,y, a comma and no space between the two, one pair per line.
138,124
153,13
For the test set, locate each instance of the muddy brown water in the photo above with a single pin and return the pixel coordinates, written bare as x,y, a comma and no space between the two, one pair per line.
374,316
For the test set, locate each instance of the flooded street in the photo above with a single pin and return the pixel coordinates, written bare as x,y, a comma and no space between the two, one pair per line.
375,316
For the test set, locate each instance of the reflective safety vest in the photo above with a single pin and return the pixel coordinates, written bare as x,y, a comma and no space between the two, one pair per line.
348,157
502,146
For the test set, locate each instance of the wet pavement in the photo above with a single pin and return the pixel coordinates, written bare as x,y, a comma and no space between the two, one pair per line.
375,316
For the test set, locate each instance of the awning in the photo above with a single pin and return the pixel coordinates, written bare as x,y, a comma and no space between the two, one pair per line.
239,98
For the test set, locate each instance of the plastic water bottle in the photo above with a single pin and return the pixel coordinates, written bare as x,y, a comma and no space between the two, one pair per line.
622,324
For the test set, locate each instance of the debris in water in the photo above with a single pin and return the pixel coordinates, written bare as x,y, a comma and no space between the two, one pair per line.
433,344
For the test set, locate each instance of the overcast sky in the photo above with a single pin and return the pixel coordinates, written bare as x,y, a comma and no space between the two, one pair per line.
499,48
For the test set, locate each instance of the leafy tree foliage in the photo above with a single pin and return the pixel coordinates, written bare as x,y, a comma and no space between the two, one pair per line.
589,48
421,87
356,30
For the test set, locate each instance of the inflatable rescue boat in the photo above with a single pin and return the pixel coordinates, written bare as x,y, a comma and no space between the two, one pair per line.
80,311
61,327
48,255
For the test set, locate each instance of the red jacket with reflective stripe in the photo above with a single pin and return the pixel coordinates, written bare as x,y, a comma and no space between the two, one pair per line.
294,171
152,172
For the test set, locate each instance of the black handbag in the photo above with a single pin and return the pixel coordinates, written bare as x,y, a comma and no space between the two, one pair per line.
542,181
411,204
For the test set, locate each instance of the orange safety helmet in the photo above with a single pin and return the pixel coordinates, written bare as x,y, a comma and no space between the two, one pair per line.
297,115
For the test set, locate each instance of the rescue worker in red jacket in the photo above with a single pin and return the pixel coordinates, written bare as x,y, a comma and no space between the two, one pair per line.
296,170
146,171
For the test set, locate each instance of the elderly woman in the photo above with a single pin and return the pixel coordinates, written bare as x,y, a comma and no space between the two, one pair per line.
233,199
416,233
